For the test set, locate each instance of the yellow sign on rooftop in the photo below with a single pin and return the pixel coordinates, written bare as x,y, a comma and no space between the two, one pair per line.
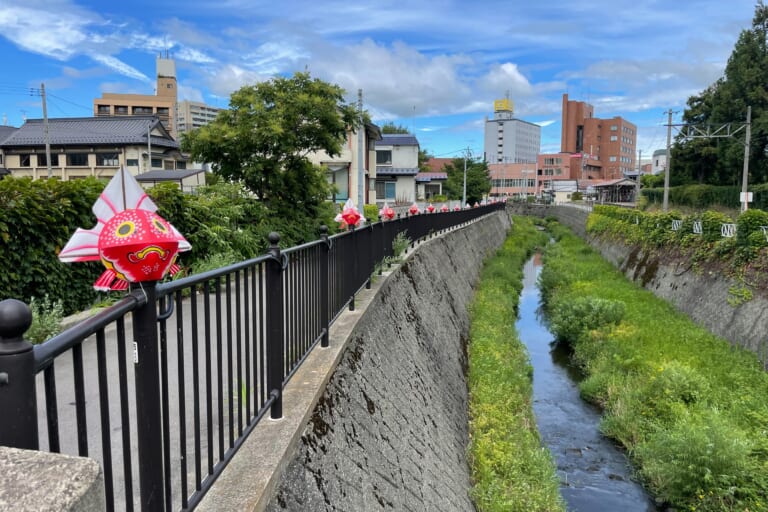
503,105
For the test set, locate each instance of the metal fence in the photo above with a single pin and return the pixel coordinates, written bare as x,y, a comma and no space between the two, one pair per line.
210,353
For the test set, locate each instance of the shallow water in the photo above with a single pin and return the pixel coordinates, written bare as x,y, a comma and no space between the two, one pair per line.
595,475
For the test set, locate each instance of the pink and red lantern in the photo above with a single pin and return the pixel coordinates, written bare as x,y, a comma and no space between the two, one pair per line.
131,240
444,208
457,208
430,208
349,215
387,212
414,209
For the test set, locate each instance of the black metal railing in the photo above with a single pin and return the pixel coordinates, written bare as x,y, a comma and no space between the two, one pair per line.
211,355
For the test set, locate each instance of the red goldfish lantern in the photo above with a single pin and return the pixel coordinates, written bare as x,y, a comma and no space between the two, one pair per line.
456,208
444,208
430,208
476,204
131,240
414,209
349,215
387,212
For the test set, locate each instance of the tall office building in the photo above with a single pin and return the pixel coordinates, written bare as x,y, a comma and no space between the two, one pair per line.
162,103
509,140
607,144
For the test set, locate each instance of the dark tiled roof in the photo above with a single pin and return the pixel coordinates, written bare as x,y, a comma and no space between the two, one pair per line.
397,139
396,171
6,131
118,130
162,175
429,176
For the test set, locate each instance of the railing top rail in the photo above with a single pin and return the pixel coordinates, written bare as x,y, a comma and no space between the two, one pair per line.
46,352
297,248
169,287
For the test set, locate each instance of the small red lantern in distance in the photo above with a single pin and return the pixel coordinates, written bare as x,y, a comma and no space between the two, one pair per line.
430,208
414,209
387,212
476,204
456,208
444,208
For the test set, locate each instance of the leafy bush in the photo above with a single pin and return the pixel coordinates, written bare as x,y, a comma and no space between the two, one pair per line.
371,213
47,315
749,222
571,318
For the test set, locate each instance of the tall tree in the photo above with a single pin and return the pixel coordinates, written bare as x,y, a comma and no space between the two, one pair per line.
390,127
744,84
478,180
264,138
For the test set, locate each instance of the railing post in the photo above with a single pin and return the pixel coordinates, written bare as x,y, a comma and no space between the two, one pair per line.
149,428
17,378
275,358
355,266
324,290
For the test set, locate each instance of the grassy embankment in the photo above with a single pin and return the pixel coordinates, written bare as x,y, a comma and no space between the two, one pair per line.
691,410
510,468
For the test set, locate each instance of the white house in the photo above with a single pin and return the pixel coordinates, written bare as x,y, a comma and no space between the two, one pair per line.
397,164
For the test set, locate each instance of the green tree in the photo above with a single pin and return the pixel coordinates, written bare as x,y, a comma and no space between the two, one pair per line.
264,138
744,84
392,128
478,180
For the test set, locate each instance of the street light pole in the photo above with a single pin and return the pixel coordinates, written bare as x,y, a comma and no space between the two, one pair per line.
464,193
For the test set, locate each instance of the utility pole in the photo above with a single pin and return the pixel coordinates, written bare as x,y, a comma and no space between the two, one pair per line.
639,172
464,193
745,175
665,204
45,131
360,142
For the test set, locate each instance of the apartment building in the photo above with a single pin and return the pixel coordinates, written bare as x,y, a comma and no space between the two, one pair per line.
606,146
191,115
509,140
162,104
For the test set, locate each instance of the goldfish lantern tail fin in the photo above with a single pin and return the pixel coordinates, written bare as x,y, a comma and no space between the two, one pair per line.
108,281
175,268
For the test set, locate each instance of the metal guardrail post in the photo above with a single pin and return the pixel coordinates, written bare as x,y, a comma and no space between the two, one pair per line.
146,364
324,290
275,357
17,378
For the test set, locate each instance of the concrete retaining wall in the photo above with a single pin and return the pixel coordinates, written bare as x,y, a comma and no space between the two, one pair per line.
390,431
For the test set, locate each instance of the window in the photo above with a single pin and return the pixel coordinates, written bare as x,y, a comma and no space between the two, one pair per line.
24,160
385,190
107,159
614,127
614,138
77,159
121,110
168,165
102,110
142,110
181,164
384,157
132,162
611,158
42,162
157,162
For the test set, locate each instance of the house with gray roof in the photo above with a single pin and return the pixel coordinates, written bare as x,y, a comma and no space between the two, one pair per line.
397,164
90,146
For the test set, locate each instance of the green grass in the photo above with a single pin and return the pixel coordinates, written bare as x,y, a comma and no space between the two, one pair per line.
691,409
510,468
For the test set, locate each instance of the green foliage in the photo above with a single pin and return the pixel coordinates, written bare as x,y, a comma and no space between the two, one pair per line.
400,244
37,218
263,139
689,408
511,471
749,222
47,315
478,180
577,196
371,213
652,180
574,317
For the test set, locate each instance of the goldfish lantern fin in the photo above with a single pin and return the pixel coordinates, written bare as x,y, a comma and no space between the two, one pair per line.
104,282
174,269
119,285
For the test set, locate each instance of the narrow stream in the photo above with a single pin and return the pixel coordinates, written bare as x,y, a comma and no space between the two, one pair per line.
595,475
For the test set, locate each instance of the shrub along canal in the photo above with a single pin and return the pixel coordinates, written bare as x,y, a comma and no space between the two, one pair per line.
595,475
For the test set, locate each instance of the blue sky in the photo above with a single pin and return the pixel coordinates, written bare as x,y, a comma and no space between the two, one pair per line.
432,66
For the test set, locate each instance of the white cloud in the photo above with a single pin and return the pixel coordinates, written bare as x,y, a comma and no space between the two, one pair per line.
60,38
122,68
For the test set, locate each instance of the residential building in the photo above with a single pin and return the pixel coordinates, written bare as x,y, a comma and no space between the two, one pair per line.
343,169
513,179
509,140
605,145
191,115
91,146
397,164
429,184
162,103
658,162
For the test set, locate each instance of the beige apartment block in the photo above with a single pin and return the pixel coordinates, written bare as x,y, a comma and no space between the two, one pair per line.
191,115
162,104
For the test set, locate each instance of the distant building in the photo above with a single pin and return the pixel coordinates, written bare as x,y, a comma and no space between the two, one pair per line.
659,161
91,146
512,180
162,103
397,164
605,145
191,115
509,140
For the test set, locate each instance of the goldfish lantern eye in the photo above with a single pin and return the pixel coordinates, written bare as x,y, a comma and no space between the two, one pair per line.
159,225
125,229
